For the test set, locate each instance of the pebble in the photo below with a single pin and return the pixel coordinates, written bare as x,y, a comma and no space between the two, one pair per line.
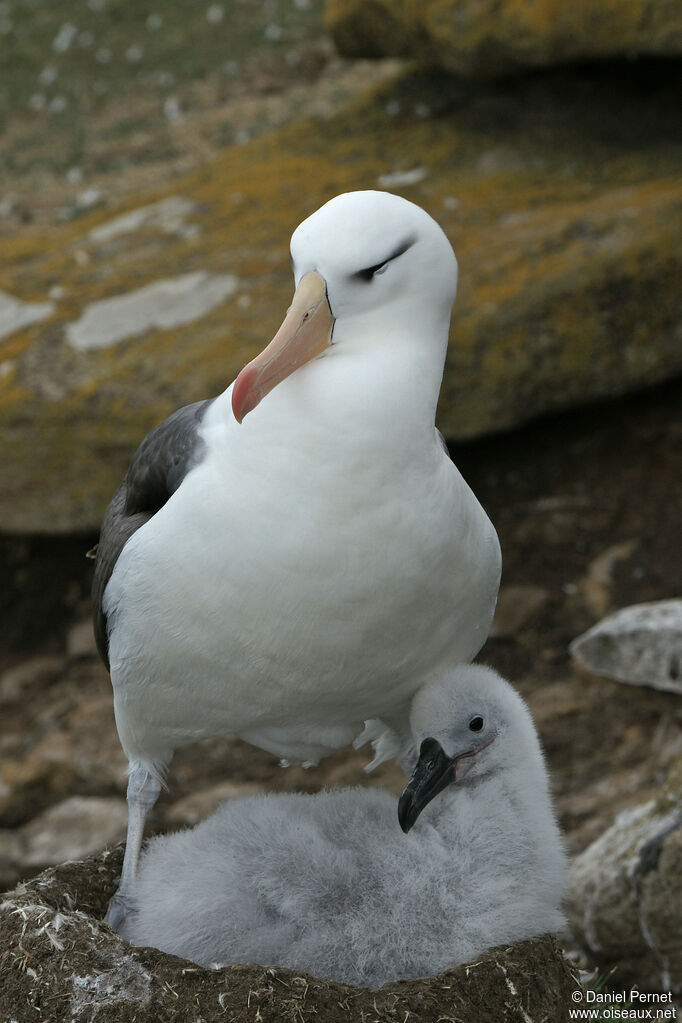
89,197
66,35
72,829
48,75
58,104
640,645
171,109
215,14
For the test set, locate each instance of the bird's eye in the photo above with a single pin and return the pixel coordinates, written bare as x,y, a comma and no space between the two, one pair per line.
380,268
371,271
476,724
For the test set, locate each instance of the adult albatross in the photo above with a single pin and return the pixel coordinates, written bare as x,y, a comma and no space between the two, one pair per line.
294,559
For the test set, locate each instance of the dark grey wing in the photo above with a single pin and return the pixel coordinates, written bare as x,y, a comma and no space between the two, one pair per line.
159,466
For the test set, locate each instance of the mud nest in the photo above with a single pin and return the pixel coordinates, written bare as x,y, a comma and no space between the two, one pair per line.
59,962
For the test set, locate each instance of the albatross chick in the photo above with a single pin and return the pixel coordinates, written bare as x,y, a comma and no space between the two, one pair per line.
330,884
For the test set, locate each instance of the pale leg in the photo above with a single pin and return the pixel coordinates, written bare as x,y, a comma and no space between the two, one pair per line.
143,791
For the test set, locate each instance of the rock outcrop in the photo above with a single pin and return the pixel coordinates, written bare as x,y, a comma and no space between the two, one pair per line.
625,902
563,213
640,645
490,38
59,962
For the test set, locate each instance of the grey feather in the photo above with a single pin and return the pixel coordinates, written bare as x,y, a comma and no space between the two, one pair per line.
329,884
157,469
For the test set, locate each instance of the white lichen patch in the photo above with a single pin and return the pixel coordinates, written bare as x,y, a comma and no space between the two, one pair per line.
15,314
403,179
167,216
163,304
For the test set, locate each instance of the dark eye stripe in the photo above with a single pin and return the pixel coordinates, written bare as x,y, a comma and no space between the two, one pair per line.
368,273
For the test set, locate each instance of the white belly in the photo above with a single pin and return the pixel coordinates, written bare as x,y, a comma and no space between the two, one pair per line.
289,614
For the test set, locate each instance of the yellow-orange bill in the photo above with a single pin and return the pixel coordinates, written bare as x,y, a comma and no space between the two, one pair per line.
305,333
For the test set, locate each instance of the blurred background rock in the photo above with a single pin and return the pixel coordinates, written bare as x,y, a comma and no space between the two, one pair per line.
153,162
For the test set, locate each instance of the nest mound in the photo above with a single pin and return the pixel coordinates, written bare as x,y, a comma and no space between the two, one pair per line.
59,962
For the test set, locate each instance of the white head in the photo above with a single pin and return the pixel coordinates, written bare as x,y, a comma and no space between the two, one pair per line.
369,267
466,726
378,253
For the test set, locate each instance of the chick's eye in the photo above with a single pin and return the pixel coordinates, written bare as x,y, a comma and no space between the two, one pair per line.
476,724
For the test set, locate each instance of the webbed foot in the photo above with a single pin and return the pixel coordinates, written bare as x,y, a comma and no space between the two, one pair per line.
119,908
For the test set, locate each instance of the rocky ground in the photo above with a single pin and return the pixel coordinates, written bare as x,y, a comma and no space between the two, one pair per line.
587,506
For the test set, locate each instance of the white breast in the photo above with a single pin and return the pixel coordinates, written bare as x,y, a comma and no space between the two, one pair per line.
289,606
